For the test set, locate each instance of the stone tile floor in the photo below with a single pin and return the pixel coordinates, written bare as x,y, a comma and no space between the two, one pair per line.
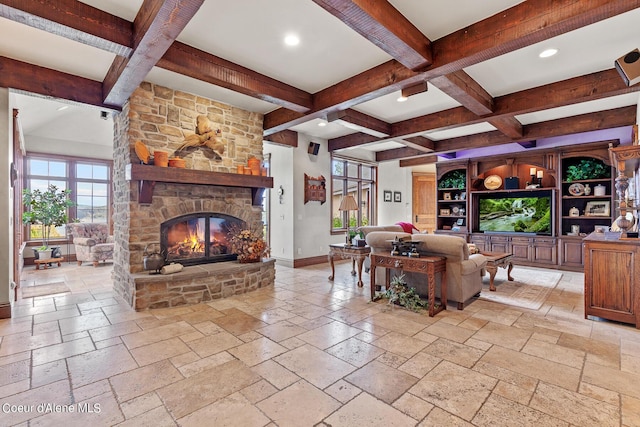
308,352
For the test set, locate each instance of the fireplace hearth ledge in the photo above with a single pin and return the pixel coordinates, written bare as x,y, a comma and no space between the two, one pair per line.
201,283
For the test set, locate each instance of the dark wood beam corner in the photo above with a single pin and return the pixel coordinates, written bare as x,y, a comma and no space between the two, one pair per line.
509,126
528,144
419,143
287,137
414,89
156,26
383,25
360,122
450,155
464,89
352,140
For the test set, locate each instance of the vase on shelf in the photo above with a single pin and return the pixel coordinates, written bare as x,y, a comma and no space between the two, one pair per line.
587,190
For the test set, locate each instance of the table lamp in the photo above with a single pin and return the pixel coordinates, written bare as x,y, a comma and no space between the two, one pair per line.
348,203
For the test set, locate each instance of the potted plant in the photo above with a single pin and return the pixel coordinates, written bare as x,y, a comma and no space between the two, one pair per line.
48,209
401,294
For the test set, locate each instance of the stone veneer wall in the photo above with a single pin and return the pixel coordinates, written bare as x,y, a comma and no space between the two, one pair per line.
161,118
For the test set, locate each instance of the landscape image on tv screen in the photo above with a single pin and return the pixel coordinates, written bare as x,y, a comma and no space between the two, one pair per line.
515,214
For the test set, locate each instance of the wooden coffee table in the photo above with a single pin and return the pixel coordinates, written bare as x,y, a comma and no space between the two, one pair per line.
47,262
495,260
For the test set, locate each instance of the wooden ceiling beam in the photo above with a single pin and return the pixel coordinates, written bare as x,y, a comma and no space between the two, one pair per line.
156,26
361,122
352,140
567,92
50,83
79,22
383,25
73,20
398,154
189,61
619,117
287,138
460,86
418,161
520,26
419,143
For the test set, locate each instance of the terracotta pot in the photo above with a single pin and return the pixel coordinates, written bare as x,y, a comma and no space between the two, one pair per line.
241,169
161,158
254,165
177,162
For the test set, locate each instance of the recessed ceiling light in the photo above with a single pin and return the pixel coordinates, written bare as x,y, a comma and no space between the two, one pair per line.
402,98
291,40
548,53
322,123
64,107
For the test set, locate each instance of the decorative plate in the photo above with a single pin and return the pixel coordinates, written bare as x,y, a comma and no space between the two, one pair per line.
142,152
576,189
455,210
492,182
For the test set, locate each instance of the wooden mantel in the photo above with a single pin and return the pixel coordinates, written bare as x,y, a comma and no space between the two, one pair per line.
148,176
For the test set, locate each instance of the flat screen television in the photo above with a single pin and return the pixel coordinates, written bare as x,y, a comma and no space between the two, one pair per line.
524,211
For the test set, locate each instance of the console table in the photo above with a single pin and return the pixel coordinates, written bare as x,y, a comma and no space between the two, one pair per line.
356,253
429,265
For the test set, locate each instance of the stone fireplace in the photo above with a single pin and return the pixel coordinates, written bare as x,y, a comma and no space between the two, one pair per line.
199,238
187,212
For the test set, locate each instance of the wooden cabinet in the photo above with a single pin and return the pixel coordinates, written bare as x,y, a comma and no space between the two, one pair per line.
526,250
612,278
571,252
451,199
315,189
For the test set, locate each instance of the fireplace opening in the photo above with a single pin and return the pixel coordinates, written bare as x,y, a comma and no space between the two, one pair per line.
198,238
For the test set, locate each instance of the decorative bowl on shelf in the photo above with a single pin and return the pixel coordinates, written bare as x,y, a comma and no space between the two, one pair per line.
576,189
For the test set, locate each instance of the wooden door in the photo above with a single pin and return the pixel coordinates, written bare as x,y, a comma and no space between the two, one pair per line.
424,201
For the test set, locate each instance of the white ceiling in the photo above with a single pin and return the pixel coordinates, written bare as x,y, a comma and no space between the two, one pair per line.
250,33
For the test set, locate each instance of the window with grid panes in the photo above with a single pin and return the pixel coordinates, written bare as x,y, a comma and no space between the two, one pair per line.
357,178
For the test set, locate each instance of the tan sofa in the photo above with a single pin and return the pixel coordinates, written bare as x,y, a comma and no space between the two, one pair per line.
464,271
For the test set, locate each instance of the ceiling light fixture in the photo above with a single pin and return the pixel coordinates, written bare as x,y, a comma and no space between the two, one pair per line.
291,40
322,123
64,107
548,53
402,98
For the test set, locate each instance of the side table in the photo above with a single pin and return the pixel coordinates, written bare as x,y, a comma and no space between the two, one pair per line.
495,260
356,253
429,265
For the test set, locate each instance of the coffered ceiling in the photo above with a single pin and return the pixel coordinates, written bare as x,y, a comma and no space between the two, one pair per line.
486,84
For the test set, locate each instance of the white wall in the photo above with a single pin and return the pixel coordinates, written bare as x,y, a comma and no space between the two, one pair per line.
37,144
299,230
6,212
391,177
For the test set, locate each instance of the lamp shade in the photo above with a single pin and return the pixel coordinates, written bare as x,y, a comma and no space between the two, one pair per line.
348,203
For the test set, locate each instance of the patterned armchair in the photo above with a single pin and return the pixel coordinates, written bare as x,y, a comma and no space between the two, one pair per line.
92,242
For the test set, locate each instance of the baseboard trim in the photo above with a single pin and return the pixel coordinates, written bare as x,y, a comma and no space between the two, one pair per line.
305,262
5,310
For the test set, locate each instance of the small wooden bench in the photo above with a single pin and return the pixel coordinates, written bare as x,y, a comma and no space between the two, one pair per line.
47,261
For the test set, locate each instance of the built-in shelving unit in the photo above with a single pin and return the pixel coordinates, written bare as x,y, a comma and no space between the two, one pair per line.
451,199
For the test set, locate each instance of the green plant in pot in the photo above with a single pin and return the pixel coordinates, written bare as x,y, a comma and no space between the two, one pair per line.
47,209
400,293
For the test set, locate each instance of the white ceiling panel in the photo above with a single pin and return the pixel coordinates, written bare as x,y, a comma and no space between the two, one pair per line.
388,108
583,51
28,44
329,131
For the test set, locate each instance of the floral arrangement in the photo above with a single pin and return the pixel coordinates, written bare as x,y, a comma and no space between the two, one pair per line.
248,244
